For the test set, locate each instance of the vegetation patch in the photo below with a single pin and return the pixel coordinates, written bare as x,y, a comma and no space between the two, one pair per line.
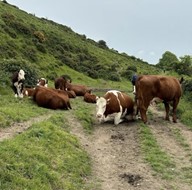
17,110
158,159
45,157
85,114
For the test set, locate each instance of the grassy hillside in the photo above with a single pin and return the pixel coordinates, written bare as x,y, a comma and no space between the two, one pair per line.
48,49
48,156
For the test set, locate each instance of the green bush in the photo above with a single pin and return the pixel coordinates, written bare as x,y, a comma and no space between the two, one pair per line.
9,66
187,86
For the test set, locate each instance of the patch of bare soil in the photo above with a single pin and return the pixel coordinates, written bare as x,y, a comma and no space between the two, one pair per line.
118,163
116,158
18,128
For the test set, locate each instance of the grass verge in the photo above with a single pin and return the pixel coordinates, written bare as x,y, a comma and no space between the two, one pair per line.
159,160
44,157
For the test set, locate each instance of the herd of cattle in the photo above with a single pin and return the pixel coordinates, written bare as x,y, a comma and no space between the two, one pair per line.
114,105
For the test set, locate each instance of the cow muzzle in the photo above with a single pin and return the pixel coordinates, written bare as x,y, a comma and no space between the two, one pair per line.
99,115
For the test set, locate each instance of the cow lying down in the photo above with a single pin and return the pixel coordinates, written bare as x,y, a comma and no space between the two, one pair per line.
51,98
114,105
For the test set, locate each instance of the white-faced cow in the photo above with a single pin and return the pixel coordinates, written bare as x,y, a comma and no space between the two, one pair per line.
166,88
114,105
50,98
17,83
42,82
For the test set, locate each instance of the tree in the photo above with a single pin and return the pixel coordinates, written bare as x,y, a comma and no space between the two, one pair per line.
184,66
168,61
102,44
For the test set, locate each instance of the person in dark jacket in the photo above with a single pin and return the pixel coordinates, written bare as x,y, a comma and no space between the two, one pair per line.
133,80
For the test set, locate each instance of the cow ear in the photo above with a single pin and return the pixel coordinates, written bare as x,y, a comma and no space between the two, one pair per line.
97,97
108,100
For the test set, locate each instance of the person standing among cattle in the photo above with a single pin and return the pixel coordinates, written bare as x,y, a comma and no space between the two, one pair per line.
133,81
17,83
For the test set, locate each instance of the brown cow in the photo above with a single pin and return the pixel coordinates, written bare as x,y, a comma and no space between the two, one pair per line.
79,90
165,88
60,83
90,98
50,98
71,93
28,91
114,105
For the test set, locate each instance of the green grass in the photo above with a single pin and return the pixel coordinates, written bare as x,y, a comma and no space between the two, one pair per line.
44,157
185,111
17,110
158,159
84,112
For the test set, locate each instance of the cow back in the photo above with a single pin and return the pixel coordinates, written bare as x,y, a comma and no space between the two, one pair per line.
51,98
90,98
116,99
79,90
164,87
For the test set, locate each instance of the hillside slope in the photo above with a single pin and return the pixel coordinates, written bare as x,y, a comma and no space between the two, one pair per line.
52,49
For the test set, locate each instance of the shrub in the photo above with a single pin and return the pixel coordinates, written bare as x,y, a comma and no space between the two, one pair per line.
40,36
9,66
187,86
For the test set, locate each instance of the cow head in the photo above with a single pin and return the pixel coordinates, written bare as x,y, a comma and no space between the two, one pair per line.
21,75
42,82
101,104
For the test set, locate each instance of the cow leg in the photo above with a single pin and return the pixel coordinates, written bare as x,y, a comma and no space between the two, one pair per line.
117,118
143,109
143,115
20,90
167,109
175,103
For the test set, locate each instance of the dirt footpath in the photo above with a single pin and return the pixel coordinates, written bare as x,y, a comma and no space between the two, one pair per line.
117,160
118,163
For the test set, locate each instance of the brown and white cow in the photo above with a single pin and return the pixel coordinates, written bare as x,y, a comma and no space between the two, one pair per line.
114,105
42,82
50,98
17,83
79,90
166,88
28,91
89,98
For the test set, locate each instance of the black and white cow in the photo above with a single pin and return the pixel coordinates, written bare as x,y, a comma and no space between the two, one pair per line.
17,83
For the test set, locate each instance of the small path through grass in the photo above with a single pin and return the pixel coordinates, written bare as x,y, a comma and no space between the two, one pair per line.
17,128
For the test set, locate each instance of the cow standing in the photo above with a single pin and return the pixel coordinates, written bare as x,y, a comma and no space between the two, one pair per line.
166,88
17,83
114,105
